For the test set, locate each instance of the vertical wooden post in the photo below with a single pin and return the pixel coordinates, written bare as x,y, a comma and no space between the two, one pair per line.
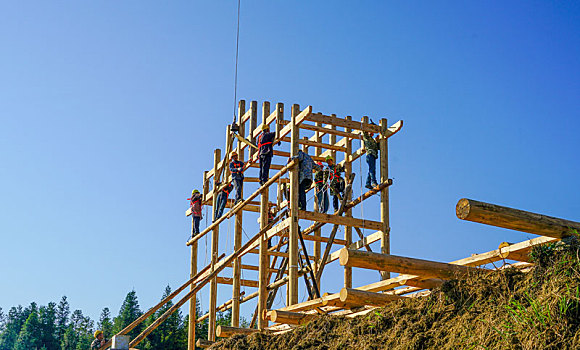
279,125
214,254
384,166
332,141
293,205
264,261
253,125
317,232
236,283
348,229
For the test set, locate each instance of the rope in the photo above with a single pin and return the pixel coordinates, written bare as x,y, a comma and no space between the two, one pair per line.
236,73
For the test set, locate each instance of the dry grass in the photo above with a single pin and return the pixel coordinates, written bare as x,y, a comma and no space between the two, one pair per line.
503,309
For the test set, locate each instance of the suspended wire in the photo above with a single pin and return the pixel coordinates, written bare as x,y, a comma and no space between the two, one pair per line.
236,73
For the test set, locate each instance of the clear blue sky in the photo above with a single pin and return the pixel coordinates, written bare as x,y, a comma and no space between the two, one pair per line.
110,112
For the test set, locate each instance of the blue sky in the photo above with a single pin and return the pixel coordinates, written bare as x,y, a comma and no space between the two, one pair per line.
111,111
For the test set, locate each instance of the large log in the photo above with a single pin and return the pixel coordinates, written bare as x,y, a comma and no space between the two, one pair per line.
203,343
287,317
393,263
227,331
514,219
355,298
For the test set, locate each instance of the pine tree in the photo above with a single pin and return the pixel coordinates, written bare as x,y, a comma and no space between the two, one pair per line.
105,324
169,333
14,322
29,337
128,313
47,319
2,321
62,313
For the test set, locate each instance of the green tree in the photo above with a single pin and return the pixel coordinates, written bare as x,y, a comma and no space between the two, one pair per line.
128,313
169,334
105,323
78,334
62,314
47,320
2,321
29,337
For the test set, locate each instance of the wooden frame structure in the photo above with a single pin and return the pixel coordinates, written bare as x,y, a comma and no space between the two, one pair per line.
329,135
277,267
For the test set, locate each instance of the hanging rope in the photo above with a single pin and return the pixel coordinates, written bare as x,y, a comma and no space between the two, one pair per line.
236,73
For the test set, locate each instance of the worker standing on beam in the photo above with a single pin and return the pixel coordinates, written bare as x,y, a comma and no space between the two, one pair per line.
265,152
321,179
222,199
195,206
372,150
305,168
336,182
237,170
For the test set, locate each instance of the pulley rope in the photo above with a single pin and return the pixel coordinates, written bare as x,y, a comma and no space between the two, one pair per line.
236,72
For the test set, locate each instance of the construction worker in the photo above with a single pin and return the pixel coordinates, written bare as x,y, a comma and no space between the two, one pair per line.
222,199
265,152
237,170
336,182
195,206
99,340
305,168
321,180
372,150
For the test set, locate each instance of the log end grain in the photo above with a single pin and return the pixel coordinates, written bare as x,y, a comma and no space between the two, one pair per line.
462,208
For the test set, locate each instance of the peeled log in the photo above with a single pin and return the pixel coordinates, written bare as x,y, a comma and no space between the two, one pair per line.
424,284
287,317
393,263
227,331
203,343
514,219
354,298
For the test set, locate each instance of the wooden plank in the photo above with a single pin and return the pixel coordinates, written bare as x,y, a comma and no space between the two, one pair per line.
384,206
339,220
515,219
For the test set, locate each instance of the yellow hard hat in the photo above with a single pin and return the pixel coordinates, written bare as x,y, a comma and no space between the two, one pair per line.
265,127
329,158
194,191
234,153
97,333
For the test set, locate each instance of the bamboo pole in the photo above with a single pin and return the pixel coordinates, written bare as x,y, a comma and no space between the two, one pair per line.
292,297
393,263
515,219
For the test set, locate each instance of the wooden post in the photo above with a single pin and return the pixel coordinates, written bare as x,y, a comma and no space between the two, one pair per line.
238,230
192,301
348,213
515,219
264,259
293,205
214,254
317,233
253,125
279,125
384,168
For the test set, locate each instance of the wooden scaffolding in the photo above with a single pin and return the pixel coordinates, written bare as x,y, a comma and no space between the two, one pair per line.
290,259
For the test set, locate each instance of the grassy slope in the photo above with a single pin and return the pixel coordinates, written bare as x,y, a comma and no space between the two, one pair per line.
488,310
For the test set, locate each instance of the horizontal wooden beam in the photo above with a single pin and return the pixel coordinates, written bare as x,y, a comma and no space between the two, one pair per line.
230,281
272,166
356,298
339,220
394,263
322,145
227,331
204,343
351,124
287,317
374,237
515,219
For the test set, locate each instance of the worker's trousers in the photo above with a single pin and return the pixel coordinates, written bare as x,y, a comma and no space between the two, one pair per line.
322,199
265,161
372,176
238,183
304,185
222,199
196,220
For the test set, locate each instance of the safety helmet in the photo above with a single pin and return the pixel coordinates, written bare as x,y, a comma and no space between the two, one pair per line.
97,332
265,127
194,191
329,158
234,153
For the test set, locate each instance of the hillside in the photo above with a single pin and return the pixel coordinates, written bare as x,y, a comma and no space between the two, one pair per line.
505,309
